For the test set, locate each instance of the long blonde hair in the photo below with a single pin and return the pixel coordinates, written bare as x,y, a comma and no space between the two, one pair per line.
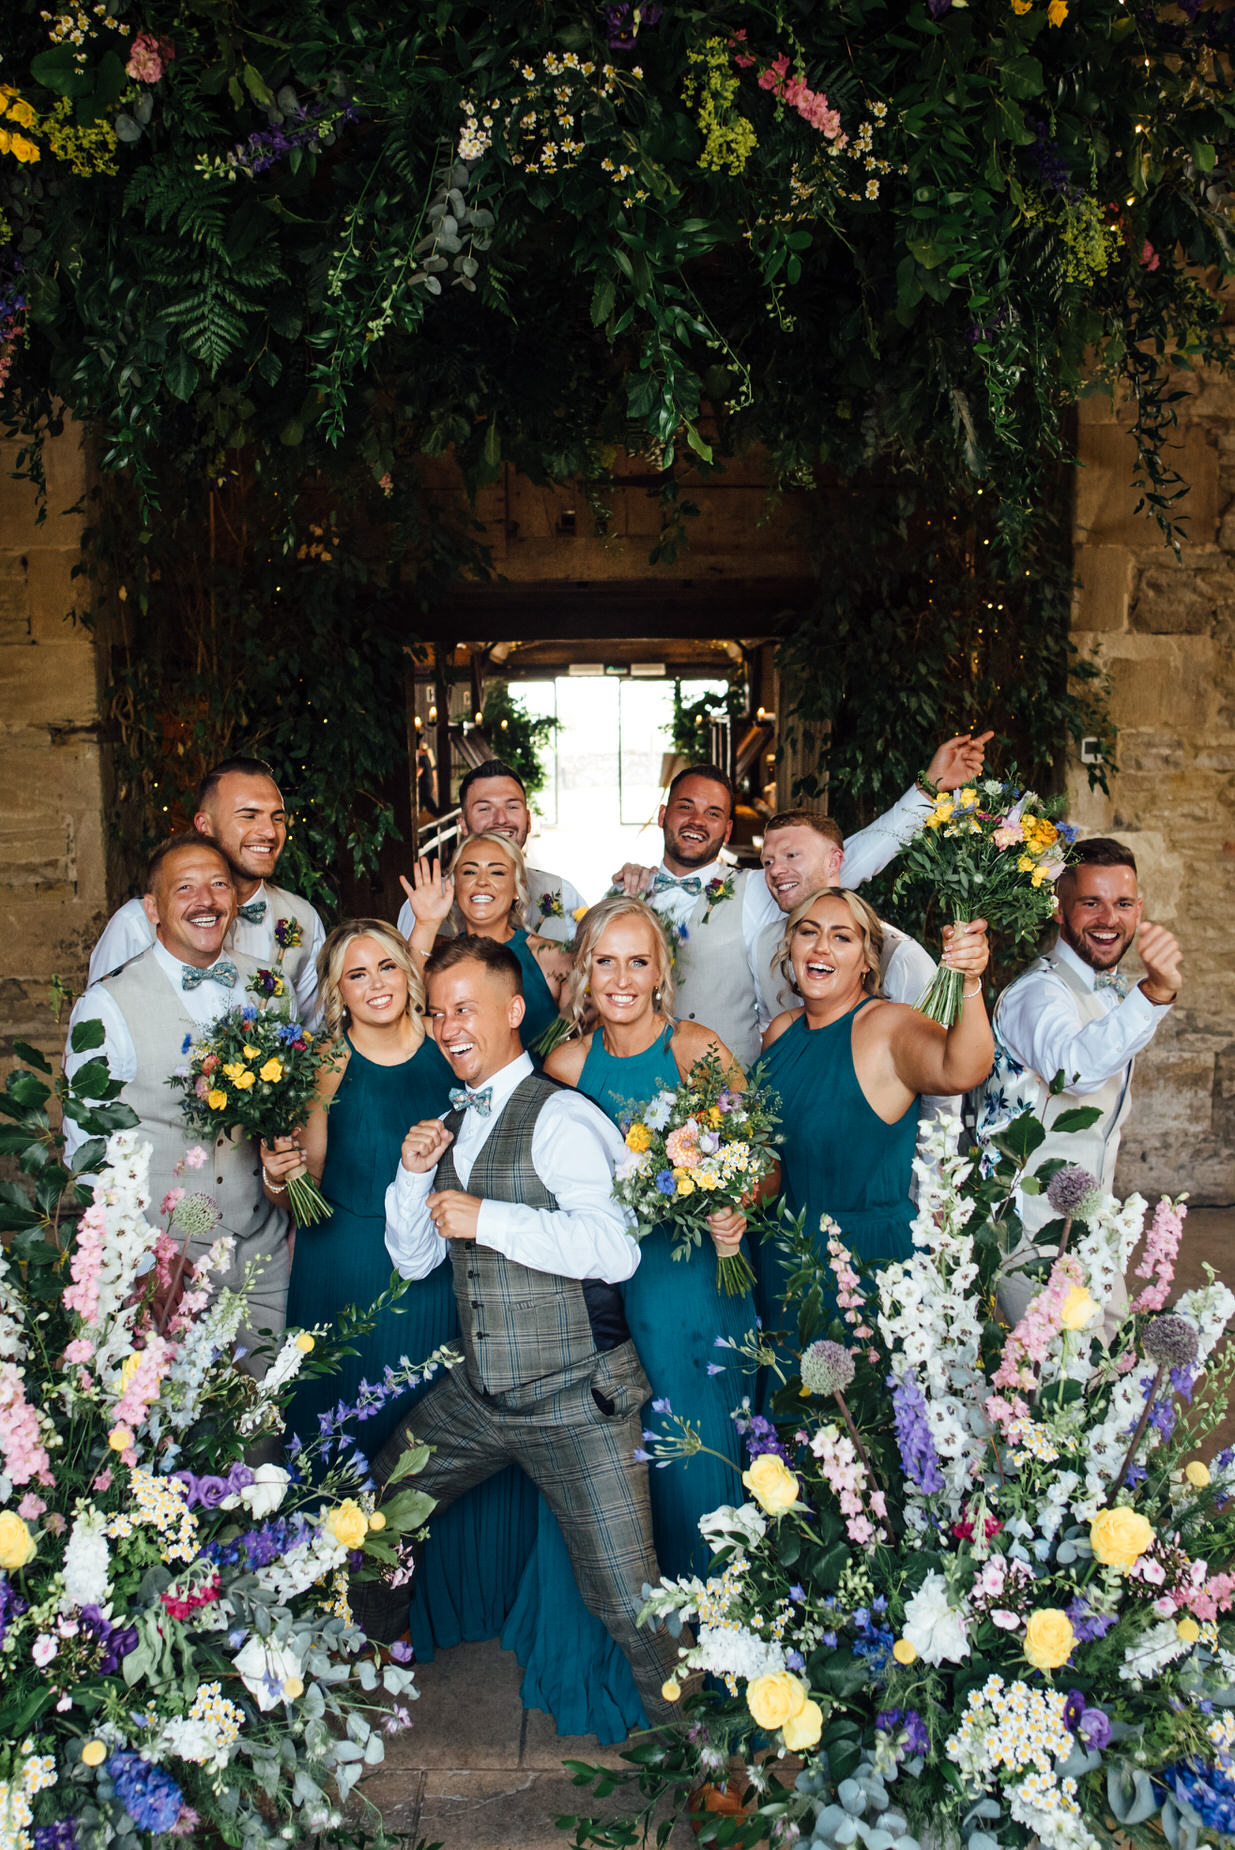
333,955
864,918
594,924
514,854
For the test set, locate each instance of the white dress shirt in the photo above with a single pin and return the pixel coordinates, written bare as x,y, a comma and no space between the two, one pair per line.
205,1002
1039,1026
574,1150
129,931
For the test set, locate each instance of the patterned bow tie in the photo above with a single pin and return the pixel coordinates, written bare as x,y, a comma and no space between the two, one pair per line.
482,1102
253,913
1111,979
690,883
224,972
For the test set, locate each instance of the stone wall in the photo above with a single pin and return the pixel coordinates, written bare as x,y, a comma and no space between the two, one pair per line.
52,812
1164,631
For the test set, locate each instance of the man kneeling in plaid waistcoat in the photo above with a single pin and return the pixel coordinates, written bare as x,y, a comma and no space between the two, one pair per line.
515,1187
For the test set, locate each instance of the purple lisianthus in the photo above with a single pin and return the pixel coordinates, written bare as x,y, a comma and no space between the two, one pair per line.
401,1651
62,1835
114,1641
211,1491
1086,1623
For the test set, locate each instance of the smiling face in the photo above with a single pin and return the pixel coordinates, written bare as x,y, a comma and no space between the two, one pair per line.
797,861
828,955
191,903
625,970
497,804
1099,910
371,984
486,887
474,1016
697,820
244,813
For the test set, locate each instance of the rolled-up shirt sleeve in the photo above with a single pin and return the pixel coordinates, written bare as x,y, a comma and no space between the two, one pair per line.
574,1150
415,1246
1039,1026
868,852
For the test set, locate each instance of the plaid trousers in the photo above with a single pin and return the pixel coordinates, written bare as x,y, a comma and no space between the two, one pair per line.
575,1435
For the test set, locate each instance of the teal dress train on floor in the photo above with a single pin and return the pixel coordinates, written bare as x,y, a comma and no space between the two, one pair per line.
838,1156
540,1007
572,1667
467,1579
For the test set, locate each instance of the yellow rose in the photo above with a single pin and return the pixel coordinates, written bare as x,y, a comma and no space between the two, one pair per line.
1049,1638
803,1729
94,1753
6,141
706,1180
1079,1309
905,1651
685,1186
1119,1537
22,114
1197,1474
120,1438
272,1071
771,1483
348,1523
1057,12
17,1545
23,149
1188,1631
1025,864
967,797
232,1069
306,1343
773,1699
244,1081
216,1099
251,1053
638,1139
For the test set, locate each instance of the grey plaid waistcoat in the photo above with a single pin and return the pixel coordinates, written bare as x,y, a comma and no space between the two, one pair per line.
518,1326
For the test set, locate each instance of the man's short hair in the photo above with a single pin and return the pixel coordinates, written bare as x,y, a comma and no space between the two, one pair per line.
1098,851
806,819
492,767
497,958
714,774
247,767
174,843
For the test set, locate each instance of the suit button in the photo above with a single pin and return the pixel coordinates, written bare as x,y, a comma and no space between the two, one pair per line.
219,1180
257,1169
692,1014
475,1303
480,1336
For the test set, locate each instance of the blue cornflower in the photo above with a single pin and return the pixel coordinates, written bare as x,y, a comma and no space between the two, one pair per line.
797,1593
665,1182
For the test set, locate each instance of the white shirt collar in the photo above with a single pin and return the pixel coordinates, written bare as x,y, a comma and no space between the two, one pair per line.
1065,954
713,871
505,1080
172,966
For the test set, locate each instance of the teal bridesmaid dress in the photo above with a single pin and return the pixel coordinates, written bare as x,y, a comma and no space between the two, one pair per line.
838,1156
469,1574
572,1667
540,1009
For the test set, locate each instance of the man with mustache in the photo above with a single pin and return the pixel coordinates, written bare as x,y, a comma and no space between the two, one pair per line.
1071,1013
181,983
515,1187
240,807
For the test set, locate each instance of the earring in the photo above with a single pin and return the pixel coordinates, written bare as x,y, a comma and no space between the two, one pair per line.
657,999
346,1016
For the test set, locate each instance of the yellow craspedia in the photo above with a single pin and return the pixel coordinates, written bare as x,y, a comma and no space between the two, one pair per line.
1049,1638
271,1071
1197,1474
670,1689
293,1687
774,1698
638,1139
771,1483
803,1729
17,1545
347,1523
1187,1631
216,1099
905,1652
1119,1537
377,1520
1079,1309
94,1753
120,1438
244,1081
306,1343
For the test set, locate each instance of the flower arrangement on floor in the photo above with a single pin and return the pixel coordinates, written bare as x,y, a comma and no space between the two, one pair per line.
177,1647
255,1071
991,851
692,1151
981,1582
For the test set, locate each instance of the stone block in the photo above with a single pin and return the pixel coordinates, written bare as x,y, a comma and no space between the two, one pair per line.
1171,600
55,594
1163,685
1106,498
468,1694
36,852
48,687
1104,584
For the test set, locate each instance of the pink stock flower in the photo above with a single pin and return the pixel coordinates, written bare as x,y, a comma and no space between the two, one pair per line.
1205,1602
25,1456
30,1507
148,57
1149,256
103,1480
170,1200
142,1388
1030,1342
87,1261
55,1523
81,1349
194,1158
1161,1249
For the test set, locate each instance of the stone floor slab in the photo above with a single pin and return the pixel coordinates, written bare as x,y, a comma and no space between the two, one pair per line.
544,1748
468,1712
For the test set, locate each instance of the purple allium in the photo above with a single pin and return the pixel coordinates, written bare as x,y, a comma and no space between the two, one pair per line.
919,1458
1072,1190
827,1368
1170,1341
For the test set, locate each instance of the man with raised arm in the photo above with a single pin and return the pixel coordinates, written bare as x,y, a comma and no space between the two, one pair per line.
239,806
515,1187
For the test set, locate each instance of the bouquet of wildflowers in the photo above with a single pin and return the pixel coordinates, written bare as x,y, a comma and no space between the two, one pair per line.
981,1580
694,1151
991,851
180,1659
256,1073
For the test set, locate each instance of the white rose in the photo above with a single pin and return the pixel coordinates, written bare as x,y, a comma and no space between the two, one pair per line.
264,1667
727,1524
268,1489
932,1627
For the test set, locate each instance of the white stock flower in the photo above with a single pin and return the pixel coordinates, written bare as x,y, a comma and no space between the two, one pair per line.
936,1631
86,1561
732,1651
1159,1646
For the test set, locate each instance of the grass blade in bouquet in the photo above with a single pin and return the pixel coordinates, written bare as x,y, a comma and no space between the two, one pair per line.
991,851
256,1073
694,1151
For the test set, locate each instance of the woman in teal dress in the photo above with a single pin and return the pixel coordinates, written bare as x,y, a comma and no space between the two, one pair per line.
486,893
389,1075
675,1313
849,1067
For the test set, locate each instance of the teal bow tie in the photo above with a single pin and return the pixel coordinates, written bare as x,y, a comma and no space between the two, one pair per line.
224,972
482,1101
1111,979
253,913
689,883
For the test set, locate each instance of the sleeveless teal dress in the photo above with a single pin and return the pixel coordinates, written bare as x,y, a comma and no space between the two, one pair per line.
572,1667
541,1009
469,1574
838,1157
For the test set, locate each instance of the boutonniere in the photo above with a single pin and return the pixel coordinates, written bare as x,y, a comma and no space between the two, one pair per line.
677,936
267,984
288,936
716,892
551,906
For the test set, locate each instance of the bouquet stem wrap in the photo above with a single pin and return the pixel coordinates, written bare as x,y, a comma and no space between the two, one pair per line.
944,996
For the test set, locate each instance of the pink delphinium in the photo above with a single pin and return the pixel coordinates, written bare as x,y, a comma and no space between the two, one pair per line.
87,1262
194,1158
31,1507
841,1467
143,1385
1206,1600
25,1456
850,1298
170,1200
1161,1249
811,105
1029,1344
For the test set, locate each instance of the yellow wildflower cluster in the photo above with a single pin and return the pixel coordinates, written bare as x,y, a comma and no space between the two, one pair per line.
1030,1439
337,1603
1011,1726
714,1603
15,115
711,88
161,1502
542,122
223,1718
